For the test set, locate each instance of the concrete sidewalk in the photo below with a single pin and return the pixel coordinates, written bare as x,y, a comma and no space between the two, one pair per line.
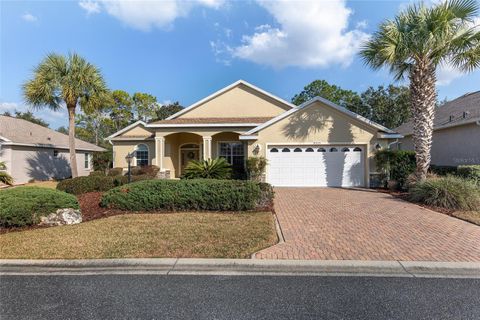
242,267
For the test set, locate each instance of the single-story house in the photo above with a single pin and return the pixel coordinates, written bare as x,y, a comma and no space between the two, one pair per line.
315,144
456,132
33,152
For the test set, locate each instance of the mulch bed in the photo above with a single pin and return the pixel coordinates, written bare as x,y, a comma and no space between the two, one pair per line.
90,207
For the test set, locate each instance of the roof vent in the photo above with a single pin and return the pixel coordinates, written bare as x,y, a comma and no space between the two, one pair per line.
48,138
450,119
30,133
465,114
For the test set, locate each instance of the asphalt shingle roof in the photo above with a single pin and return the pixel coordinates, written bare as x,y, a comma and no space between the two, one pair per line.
464,109
25,132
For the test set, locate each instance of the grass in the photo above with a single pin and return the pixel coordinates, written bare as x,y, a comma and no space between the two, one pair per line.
44,184
200,235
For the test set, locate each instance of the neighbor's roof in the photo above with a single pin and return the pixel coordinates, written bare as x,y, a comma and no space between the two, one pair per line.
15,131
463,110
253,120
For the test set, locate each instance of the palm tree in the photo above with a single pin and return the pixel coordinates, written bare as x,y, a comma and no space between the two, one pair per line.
5,177
66,81
415,43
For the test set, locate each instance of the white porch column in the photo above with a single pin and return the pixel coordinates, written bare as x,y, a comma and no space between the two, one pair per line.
207,147
159,151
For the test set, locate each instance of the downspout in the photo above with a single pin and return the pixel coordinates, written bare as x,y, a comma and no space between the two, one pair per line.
391,143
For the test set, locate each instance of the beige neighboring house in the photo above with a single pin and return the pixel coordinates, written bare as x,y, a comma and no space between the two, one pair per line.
456,135
315,144
31,151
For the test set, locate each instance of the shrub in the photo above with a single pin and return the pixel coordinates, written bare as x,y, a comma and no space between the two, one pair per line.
5,177
97,173
397,164
266,196
115,172
149,170
447,192
95,183
185,195
256,167
24,206
471,172
102,160
217,168
443,170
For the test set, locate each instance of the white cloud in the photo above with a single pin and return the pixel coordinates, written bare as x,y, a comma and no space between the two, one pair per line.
313,34
90,6
54,118
147,14
29,17
446,74
9,107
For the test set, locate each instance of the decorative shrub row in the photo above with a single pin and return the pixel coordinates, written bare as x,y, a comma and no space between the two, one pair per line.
397,164
185,195
95,183
471,172
448,192
24,206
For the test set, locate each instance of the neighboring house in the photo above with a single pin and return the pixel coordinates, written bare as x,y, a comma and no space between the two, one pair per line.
315,144
31,151
456,135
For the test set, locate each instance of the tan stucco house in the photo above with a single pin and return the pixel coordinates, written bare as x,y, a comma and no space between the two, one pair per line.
315,144
33,152
456,135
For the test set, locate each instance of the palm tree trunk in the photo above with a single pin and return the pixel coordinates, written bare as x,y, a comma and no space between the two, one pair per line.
423,97
71,140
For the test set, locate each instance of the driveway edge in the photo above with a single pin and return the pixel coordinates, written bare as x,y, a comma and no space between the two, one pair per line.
183,266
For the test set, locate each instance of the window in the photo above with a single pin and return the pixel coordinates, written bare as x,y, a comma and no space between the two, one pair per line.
274,150
141,154
309,150
234,153
357,149
297,150
86,161
321,150
285,150
55,153
333,150
345,149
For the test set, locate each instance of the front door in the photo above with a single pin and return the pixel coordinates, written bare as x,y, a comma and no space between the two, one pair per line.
187,155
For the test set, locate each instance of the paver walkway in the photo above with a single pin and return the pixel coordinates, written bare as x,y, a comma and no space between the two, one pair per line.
354,224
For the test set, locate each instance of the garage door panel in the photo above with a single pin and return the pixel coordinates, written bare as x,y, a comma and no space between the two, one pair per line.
332,169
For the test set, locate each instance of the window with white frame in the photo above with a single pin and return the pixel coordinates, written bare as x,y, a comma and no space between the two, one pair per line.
87,161
234,153
141,154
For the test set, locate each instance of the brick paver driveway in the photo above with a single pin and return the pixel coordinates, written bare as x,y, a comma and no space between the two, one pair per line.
346,224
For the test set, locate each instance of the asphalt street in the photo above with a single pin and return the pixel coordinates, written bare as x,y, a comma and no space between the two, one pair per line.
237,297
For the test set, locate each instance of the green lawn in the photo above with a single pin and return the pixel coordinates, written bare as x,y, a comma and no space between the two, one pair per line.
205,235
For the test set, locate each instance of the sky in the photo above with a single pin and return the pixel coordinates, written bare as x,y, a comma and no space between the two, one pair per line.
185,50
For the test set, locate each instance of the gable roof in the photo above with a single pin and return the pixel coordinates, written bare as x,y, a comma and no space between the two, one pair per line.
328,103
460,111
16,131
227,88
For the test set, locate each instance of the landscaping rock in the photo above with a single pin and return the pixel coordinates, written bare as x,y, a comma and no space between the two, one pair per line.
61,217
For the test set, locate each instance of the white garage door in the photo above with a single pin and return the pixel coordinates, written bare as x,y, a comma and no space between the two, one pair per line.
314,166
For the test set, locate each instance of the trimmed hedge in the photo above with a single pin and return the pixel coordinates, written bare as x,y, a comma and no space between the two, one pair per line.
448,192
186,195
113,172
150,170
398,164
443,170
23,206
95,183
471,172
97,173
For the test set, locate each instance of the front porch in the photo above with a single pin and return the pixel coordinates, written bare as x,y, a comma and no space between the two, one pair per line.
173,150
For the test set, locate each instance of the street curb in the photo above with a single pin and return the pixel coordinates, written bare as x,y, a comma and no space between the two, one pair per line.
172,266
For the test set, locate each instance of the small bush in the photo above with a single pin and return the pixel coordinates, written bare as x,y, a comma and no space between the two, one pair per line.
471,172
95,183
97,173
256,167
443,170
149,170
185,195
24,206
266,196
217,168
396,164
447,192
115,172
